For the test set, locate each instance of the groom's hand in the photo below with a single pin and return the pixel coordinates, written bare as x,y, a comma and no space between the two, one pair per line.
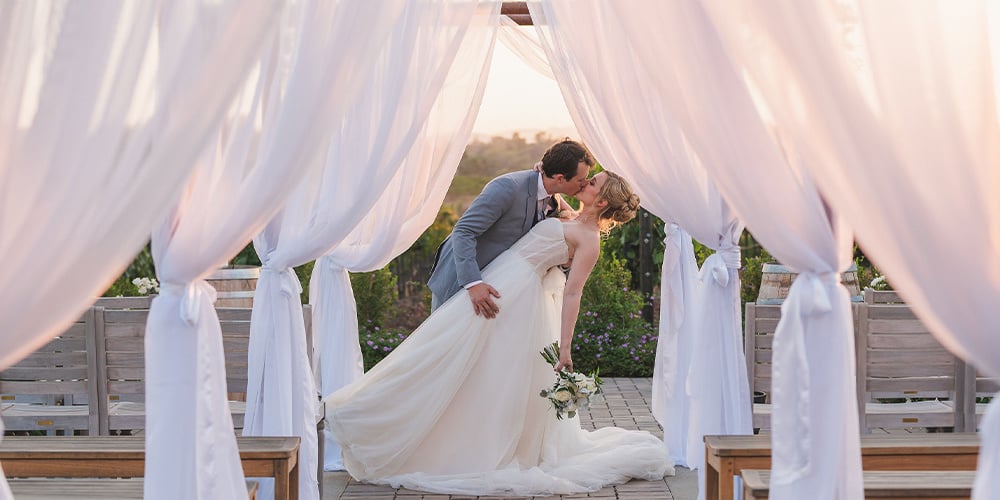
481,296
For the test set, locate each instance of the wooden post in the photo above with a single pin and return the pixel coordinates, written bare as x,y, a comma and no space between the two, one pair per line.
646,263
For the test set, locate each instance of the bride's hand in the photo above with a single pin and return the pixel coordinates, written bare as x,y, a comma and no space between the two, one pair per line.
565,360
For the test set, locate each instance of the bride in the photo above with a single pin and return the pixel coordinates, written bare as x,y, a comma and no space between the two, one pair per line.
456,409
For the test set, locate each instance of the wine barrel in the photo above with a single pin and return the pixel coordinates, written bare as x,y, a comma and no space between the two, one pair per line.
776,279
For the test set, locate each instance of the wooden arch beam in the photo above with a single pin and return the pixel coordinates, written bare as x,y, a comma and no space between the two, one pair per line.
517,11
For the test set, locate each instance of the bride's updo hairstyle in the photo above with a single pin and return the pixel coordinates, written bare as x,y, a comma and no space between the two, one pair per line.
622,202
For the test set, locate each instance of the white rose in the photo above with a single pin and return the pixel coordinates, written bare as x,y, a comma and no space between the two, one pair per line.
563,396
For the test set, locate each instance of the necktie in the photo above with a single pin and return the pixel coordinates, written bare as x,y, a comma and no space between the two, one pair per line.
542,208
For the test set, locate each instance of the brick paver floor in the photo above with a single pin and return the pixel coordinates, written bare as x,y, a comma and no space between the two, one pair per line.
626,405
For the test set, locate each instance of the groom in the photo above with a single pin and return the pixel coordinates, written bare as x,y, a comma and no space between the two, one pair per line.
504,212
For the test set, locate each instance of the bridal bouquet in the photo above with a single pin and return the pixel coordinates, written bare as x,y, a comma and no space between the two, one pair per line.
571,391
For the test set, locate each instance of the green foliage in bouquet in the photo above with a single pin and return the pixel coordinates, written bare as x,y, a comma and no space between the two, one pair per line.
572,391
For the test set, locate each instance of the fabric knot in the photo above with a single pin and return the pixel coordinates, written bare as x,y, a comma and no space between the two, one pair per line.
289,283
328,263
811,294
817,287
730,255
190,297
715,267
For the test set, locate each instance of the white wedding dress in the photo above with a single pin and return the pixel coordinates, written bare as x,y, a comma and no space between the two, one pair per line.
456,407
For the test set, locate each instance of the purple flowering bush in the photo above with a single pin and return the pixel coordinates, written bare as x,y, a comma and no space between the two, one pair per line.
610,332
378,342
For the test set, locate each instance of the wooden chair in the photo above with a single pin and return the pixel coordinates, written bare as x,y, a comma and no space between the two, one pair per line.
975,385
872,296
39,391
898,358
760,323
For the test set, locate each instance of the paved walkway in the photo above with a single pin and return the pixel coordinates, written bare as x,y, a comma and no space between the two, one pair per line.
626,405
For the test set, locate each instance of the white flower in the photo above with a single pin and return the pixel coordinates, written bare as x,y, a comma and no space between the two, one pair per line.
146,285
563,396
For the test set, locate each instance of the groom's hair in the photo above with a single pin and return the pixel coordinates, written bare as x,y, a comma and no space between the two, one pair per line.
564,157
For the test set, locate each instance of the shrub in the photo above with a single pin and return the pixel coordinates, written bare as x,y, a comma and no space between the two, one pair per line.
610,332
141,267
625,241
377,343
375,294
751,274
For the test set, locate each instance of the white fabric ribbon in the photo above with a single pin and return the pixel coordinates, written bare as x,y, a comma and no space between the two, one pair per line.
670,401
718,265
672,303
288,281
792,439
335,338
190,297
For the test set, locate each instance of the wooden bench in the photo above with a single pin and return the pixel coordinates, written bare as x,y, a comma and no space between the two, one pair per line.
39,391
728,456
105,489
121,365
124,457
141,302
761,320
898,358
121,368
900,485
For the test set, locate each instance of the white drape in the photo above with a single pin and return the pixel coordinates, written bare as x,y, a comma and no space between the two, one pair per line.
524,42
104,107
363,156
623,118
675,343
893,107
406,208
237,187
815,438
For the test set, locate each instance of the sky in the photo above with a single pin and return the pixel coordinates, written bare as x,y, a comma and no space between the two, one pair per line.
518,98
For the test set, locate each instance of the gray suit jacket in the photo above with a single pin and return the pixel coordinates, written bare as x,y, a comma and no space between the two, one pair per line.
498,217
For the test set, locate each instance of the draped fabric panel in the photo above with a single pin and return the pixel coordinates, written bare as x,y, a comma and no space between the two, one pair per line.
232,194
892,107
406,208
104,109
364,151
678,281
815,431
613,99
522,41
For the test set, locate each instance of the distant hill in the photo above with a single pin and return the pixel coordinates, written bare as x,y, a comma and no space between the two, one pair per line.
485,159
